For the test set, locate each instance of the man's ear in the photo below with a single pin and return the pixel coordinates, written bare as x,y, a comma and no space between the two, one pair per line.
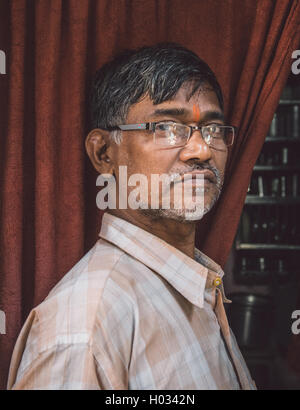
97,143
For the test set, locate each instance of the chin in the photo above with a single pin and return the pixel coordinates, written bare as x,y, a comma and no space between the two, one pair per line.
180,215
184,215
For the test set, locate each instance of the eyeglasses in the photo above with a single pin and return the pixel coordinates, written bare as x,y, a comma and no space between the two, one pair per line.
168,134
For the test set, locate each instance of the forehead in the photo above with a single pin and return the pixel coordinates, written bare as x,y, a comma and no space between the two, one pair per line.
204,100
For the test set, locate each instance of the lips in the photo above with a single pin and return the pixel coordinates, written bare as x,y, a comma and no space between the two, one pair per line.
207,176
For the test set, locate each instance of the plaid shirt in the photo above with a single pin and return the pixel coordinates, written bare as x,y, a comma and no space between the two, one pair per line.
133,313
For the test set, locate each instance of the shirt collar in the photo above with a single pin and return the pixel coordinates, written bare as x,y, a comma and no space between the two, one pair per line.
188,276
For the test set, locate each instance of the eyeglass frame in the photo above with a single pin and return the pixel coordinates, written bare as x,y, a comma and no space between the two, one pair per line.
152,125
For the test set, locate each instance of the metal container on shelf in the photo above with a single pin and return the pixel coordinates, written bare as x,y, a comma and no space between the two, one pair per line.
251,319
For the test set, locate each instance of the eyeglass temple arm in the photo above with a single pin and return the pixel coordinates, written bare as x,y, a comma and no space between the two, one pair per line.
132,127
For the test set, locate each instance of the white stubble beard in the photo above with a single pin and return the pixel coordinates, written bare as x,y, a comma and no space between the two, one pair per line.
187,215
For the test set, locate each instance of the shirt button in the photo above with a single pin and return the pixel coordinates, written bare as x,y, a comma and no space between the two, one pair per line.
217,281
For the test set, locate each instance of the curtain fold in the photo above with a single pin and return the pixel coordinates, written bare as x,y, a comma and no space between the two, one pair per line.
48,193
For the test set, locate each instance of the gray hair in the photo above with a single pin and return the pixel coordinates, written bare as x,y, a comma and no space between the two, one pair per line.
158,72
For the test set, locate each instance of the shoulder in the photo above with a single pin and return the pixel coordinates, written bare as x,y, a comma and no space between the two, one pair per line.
100,286
91,272
90,313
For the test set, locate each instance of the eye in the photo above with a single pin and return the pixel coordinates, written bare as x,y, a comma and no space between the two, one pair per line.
216,130
163,126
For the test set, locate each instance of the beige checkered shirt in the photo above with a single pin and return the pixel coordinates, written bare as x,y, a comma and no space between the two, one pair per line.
133,313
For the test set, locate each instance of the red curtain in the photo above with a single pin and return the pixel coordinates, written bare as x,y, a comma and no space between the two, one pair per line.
48,210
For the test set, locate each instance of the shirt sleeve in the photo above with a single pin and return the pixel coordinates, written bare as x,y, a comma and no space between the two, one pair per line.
67,362
63,367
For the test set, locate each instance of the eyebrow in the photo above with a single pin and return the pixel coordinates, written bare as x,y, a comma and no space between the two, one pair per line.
213,115
175,112
179,112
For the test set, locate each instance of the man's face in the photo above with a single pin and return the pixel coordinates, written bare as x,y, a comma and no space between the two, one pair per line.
141,155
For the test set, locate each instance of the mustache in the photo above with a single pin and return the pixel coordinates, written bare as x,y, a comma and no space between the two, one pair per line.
178,173
214,170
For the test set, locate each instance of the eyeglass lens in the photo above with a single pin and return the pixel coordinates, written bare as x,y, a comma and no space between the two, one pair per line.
177,134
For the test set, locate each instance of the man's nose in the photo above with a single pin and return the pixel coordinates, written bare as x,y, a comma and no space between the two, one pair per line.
196,148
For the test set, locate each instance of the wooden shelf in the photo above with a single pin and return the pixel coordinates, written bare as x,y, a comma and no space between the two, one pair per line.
276,172
263,168
267,246
271,200
248,272
289,102
282,139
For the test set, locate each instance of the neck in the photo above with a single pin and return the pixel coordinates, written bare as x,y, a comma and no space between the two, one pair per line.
179,234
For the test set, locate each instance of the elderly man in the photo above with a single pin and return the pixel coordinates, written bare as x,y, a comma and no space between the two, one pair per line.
143,309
